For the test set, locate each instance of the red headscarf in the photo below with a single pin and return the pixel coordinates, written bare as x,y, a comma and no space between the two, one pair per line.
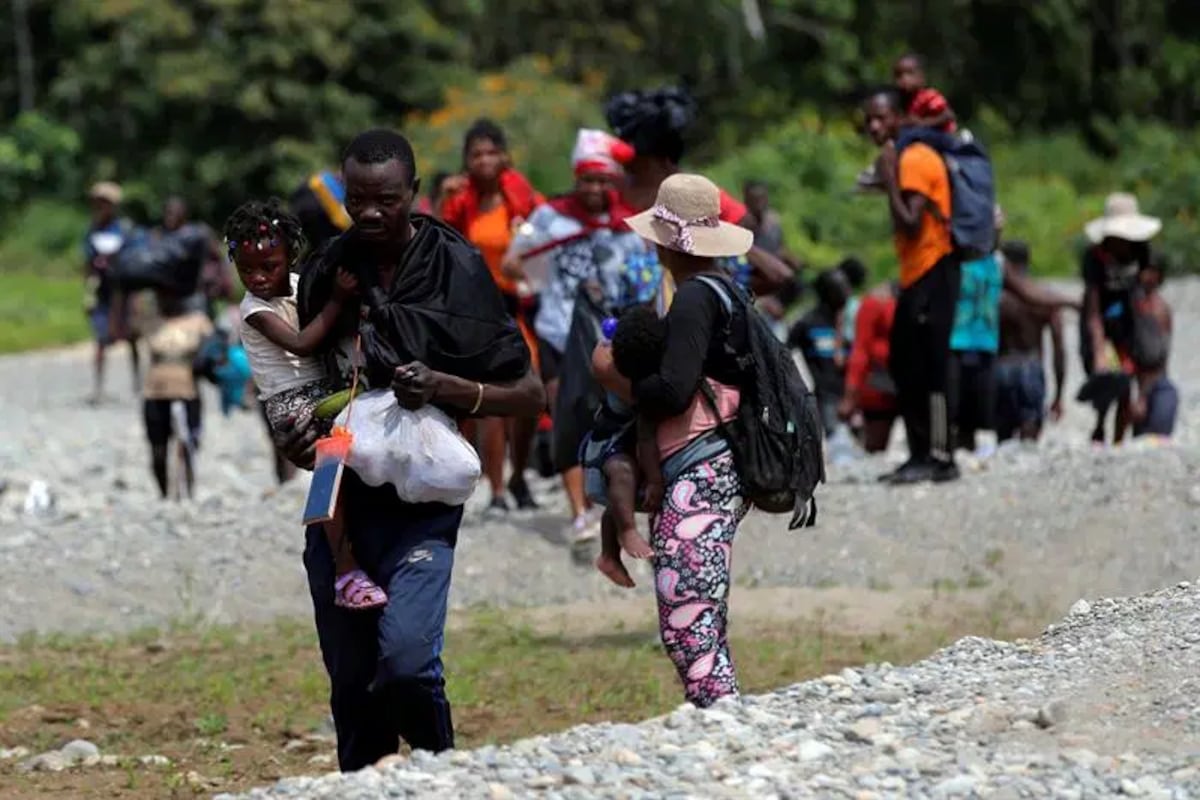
618,211
599,152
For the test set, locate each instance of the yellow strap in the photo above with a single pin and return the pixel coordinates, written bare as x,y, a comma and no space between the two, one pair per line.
666,294
329,204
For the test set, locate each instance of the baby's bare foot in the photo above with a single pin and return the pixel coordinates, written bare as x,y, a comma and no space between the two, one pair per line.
634,544
612,568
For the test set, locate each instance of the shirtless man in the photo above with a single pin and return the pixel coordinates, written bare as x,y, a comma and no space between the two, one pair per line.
1020,378
1156,400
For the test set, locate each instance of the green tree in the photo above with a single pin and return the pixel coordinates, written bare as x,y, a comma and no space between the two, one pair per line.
226,98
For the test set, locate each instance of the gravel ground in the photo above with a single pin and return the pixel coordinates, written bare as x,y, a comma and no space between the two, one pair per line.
1104,704
1045,525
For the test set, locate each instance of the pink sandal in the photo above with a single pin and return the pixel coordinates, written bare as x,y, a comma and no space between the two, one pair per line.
357,592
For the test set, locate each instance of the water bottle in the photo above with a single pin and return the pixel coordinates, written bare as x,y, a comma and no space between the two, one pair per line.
842,449
608,328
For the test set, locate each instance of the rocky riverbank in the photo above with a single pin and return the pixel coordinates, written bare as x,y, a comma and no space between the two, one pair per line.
1104,704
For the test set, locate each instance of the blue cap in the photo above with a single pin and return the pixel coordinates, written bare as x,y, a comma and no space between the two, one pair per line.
609,327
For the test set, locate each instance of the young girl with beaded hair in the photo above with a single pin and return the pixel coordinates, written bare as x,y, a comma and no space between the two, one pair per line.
265,242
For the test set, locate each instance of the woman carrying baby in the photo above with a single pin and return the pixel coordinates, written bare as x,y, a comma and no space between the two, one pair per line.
703,504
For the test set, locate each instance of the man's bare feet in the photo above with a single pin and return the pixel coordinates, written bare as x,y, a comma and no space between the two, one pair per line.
612,568
634,544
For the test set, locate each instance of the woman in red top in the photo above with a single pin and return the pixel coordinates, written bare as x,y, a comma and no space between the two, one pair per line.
486,206
869,386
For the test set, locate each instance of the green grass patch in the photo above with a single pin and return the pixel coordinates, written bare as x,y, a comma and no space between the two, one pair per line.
224,703
41,280
39,310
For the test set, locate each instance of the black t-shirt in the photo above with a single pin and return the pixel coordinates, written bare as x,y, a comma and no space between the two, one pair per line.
1115,283
815,335
695,348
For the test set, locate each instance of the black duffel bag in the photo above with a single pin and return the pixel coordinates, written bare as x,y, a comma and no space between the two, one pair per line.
172,261
579,395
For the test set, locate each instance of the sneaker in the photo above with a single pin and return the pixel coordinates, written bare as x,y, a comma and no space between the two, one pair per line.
913,472
498,505
586,526
887,476
522,494
944,472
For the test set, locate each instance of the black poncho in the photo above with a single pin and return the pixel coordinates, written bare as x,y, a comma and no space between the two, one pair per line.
443,308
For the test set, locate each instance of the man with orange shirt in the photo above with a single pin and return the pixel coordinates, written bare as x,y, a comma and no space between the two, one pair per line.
918,191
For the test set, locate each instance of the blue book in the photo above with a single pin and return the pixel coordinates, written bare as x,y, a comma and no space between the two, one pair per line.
327,481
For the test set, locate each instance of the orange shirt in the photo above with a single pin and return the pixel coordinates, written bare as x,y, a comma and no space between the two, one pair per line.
491,232
923,171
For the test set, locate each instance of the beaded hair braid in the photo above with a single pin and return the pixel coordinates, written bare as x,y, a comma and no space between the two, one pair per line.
256,224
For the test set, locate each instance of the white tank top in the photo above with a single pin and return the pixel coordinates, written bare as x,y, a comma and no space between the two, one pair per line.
275,369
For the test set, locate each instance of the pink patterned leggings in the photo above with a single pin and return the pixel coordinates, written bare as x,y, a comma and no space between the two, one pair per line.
693,543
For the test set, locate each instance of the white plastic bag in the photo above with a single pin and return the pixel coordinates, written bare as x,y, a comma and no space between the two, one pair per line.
421,453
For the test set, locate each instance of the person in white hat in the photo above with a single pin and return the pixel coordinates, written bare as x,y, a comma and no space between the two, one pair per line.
107,313
703,504
1120,250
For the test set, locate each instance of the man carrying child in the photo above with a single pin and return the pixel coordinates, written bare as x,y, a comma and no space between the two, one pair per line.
433,328
917,186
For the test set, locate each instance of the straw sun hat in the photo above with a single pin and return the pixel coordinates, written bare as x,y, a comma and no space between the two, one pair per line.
686,218
1122,220
107,191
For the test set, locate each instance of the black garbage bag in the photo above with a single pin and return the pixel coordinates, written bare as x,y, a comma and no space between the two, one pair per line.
442,309
1102,389
579,395
172,261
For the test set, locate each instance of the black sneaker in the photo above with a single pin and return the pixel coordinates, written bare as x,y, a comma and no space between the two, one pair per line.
887,477
945,472
498,505
913,472
523,496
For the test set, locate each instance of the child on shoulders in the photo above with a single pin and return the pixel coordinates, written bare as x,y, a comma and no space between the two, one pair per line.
925,106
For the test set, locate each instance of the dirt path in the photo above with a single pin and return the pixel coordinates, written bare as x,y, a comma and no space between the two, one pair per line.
847,611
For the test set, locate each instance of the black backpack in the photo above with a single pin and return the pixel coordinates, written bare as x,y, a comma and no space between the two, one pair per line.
777,434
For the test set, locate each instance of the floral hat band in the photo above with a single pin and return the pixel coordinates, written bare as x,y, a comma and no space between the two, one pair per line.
683,241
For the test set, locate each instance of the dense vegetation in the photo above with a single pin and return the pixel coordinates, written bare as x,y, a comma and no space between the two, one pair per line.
221,99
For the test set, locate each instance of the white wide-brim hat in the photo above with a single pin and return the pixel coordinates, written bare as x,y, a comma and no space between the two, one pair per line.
1122,220
686,217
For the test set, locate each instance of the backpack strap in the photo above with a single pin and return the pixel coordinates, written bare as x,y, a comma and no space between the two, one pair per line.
726,294
722,292
718,287
941,143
